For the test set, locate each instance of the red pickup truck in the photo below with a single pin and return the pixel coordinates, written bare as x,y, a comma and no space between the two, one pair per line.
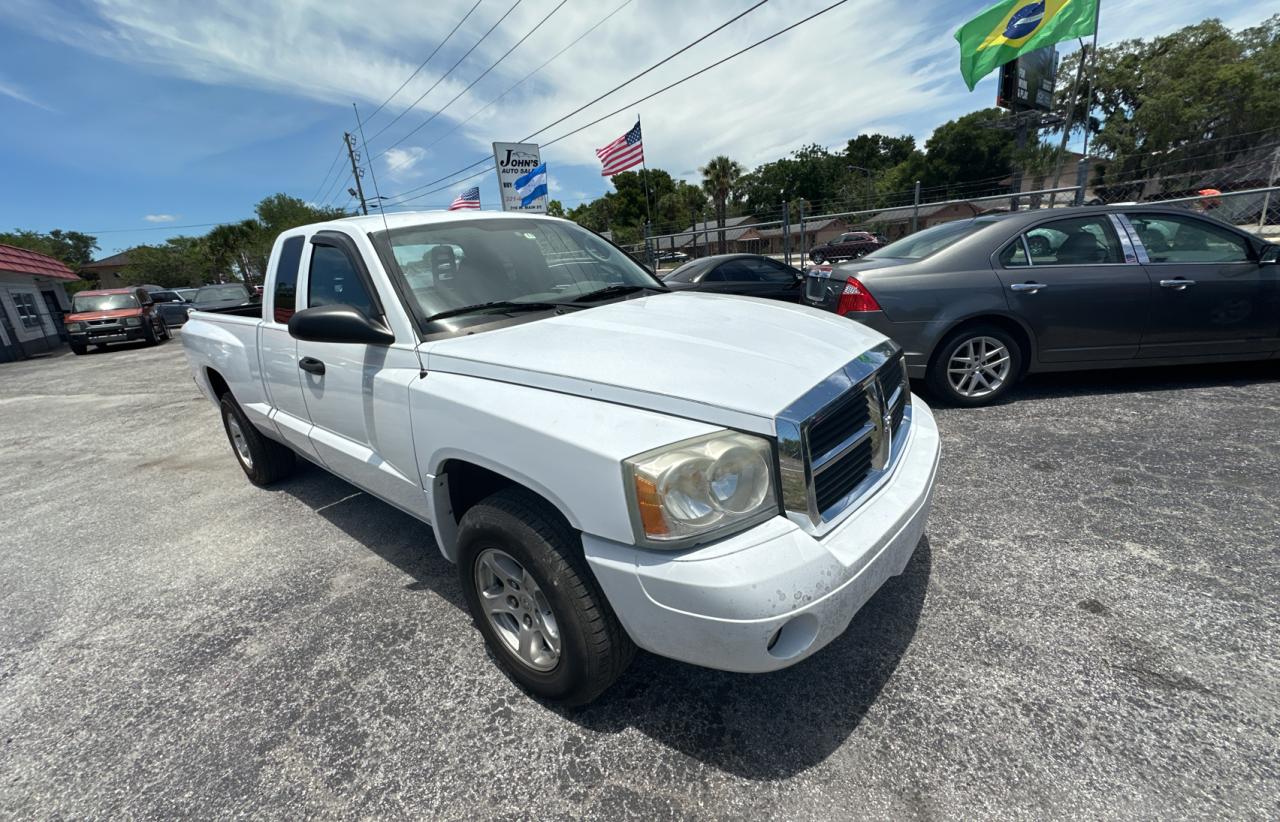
847,246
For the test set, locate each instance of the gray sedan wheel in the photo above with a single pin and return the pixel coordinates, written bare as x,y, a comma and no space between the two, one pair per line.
975,366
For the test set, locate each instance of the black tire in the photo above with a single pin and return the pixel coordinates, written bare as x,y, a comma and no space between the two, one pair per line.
267,460
79,349
594,648
938,378
818,257
149,334
165,333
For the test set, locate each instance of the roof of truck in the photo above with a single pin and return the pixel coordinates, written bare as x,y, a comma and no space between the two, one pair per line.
400,219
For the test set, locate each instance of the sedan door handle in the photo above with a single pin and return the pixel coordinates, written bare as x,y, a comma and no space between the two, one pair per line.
1178,284
311,365
1030,288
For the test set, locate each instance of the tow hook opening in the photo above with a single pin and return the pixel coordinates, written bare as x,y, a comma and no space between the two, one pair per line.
794,637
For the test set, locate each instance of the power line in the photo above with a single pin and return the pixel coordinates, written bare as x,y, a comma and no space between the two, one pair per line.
620,86
650,96
483,74
421,65
440,79
332,166
513,86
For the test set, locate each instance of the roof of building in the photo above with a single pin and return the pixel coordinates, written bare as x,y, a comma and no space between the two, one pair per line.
696,232
114,261
22,261
897,215
809,227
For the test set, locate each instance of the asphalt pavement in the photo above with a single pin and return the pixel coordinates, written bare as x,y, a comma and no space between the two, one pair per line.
1090,629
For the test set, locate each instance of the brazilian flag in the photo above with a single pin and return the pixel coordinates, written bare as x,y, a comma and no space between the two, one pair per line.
1014,27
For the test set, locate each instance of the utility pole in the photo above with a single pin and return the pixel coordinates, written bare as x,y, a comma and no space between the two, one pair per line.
802,237
355,170
786,233
915,209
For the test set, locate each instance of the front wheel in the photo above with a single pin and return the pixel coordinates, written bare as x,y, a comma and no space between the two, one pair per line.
165,333
975,366
818,257
78,349
541,612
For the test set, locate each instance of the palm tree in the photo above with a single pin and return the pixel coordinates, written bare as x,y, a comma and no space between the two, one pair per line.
719,176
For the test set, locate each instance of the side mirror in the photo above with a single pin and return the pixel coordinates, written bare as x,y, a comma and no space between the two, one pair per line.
1270,254
338,324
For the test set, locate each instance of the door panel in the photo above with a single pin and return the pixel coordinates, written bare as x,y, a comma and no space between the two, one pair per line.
1089,304
279,353
1208,295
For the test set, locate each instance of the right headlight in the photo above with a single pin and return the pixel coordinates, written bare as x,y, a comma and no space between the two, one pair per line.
707,486
133,322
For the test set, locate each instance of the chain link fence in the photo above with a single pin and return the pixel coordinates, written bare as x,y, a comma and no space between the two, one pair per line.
1243,194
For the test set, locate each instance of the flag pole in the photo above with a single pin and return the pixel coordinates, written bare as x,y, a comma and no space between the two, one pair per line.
1093,72
648,208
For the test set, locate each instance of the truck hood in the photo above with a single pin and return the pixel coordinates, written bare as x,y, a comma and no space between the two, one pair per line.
102,315
732,361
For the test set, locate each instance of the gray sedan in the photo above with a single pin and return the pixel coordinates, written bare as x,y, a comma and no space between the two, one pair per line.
978,303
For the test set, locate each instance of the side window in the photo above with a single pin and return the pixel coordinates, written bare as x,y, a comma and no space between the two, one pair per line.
144,296
770,271
285,296
1171,238
717,275
1075,241
1014,254
333,281
737,272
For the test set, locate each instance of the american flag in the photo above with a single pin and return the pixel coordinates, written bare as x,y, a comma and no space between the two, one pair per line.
467,199
623,153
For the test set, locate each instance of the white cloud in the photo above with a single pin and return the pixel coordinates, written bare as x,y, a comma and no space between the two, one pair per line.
160,218
402,163
9,89
862,65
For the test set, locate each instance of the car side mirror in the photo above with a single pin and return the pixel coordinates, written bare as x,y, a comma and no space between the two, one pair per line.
1270,254
338,324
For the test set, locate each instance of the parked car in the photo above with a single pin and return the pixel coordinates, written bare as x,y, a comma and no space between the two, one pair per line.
172,306
847,246
188,294
749,275
112,315
228,295
978,303
672,256
610,464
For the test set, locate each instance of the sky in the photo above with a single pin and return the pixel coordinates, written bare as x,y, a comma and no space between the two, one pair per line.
137,120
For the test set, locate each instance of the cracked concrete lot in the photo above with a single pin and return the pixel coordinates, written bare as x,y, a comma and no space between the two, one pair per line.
1091,629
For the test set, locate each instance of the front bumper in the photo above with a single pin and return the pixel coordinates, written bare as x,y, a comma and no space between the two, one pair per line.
768,597
108,335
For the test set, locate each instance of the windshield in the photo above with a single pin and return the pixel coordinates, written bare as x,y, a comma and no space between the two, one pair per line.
217,293
103,302
453,265
930,241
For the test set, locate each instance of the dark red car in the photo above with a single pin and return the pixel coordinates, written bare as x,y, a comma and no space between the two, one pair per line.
112,315
848,246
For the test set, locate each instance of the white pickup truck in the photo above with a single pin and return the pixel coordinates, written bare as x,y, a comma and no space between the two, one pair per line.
720,480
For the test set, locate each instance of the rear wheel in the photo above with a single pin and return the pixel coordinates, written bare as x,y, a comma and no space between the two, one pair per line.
79,348
818,257
264,461
975,366
541,612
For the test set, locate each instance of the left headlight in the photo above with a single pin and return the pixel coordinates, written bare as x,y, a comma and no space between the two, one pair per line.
133,321
75,326
707,485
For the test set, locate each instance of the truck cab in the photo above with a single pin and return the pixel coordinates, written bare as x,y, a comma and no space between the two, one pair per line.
716,479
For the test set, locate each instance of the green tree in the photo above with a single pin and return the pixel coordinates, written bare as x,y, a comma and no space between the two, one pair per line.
179,262
1191,100
555,208
72,247
719,177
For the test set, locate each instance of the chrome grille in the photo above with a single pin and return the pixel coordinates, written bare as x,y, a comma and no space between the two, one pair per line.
837,441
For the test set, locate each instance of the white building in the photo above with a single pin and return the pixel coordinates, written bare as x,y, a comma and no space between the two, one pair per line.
32,302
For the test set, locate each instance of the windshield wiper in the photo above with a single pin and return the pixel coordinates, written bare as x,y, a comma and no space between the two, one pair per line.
507,305
612,290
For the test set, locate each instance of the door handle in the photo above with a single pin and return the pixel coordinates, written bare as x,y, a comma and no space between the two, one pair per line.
311,365
1178,284
1030,288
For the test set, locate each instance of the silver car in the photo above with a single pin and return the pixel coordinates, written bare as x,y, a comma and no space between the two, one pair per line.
977,303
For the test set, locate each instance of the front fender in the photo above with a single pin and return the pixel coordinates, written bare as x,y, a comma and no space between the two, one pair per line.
568,449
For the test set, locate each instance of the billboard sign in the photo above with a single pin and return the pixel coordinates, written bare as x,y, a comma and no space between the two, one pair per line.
1026,84
515,161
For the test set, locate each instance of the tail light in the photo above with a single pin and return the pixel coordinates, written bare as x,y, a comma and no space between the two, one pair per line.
856,297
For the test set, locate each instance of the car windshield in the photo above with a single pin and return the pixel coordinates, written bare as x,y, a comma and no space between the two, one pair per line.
456,264
164,297
103,302
930,241
217,293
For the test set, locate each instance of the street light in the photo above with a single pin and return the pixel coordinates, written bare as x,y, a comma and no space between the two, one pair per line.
868,173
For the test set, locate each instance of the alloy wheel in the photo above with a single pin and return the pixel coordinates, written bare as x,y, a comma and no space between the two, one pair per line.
979,367
239,442
517,609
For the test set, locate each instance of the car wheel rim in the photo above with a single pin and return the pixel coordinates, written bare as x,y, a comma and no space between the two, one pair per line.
979,367
517,610
239,442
